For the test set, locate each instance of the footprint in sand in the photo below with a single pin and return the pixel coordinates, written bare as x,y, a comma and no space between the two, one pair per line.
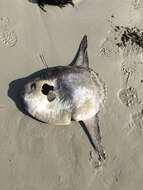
138,119
128,68
8,37
136,4
127,42
128,97
4,22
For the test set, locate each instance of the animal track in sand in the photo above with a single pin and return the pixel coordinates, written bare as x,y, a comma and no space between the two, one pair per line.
128,96
127,42
137,4
95,163
128,68
4,22
8,37
138,119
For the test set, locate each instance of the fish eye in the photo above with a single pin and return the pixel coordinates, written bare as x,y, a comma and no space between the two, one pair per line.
33,86
46,88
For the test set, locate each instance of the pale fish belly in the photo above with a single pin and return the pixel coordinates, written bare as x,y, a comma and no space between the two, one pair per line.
87,103
76,2
56,112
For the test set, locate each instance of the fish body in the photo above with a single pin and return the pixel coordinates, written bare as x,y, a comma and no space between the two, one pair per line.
61,94
78,95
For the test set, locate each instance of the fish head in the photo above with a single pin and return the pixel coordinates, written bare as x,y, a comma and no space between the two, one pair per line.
39,96
47,97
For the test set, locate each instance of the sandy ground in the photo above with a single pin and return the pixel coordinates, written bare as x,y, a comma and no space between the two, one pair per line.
35,156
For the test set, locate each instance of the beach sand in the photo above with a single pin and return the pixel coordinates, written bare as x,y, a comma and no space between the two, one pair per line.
37,156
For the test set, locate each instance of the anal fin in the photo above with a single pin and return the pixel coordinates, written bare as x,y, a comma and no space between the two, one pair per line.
92,129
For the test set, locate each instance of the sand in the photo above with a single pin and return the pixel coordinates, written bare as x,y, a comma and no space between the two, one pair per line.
36,156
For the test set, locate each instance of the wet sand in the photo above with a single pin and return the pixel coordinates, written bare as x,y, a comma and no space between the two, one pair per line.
37,156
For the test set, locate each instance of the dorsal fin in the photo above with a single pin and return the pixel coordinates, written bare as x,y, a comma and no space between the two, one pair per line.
81,57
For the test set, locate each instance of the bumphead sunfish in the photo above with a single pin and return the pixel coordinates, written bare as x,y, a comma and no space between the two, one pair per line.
61,94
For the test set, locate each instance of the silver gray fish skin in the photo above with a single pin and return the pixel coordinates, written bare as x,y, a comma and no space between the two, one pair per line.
75,93
64,93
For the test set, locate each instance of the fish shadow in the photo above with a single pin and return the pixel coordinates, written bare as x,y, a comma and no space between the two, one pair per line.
33,1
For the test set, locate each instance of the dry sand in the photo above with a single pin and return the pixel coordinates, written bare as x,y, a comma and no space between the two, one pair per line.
35,156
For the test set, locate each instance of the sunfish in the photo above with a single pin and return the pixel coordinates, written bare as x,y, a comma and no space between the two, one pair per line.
61,94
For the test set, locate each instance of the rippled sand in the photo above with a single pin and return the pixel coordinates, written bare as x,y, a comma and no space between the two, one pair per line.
36,156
